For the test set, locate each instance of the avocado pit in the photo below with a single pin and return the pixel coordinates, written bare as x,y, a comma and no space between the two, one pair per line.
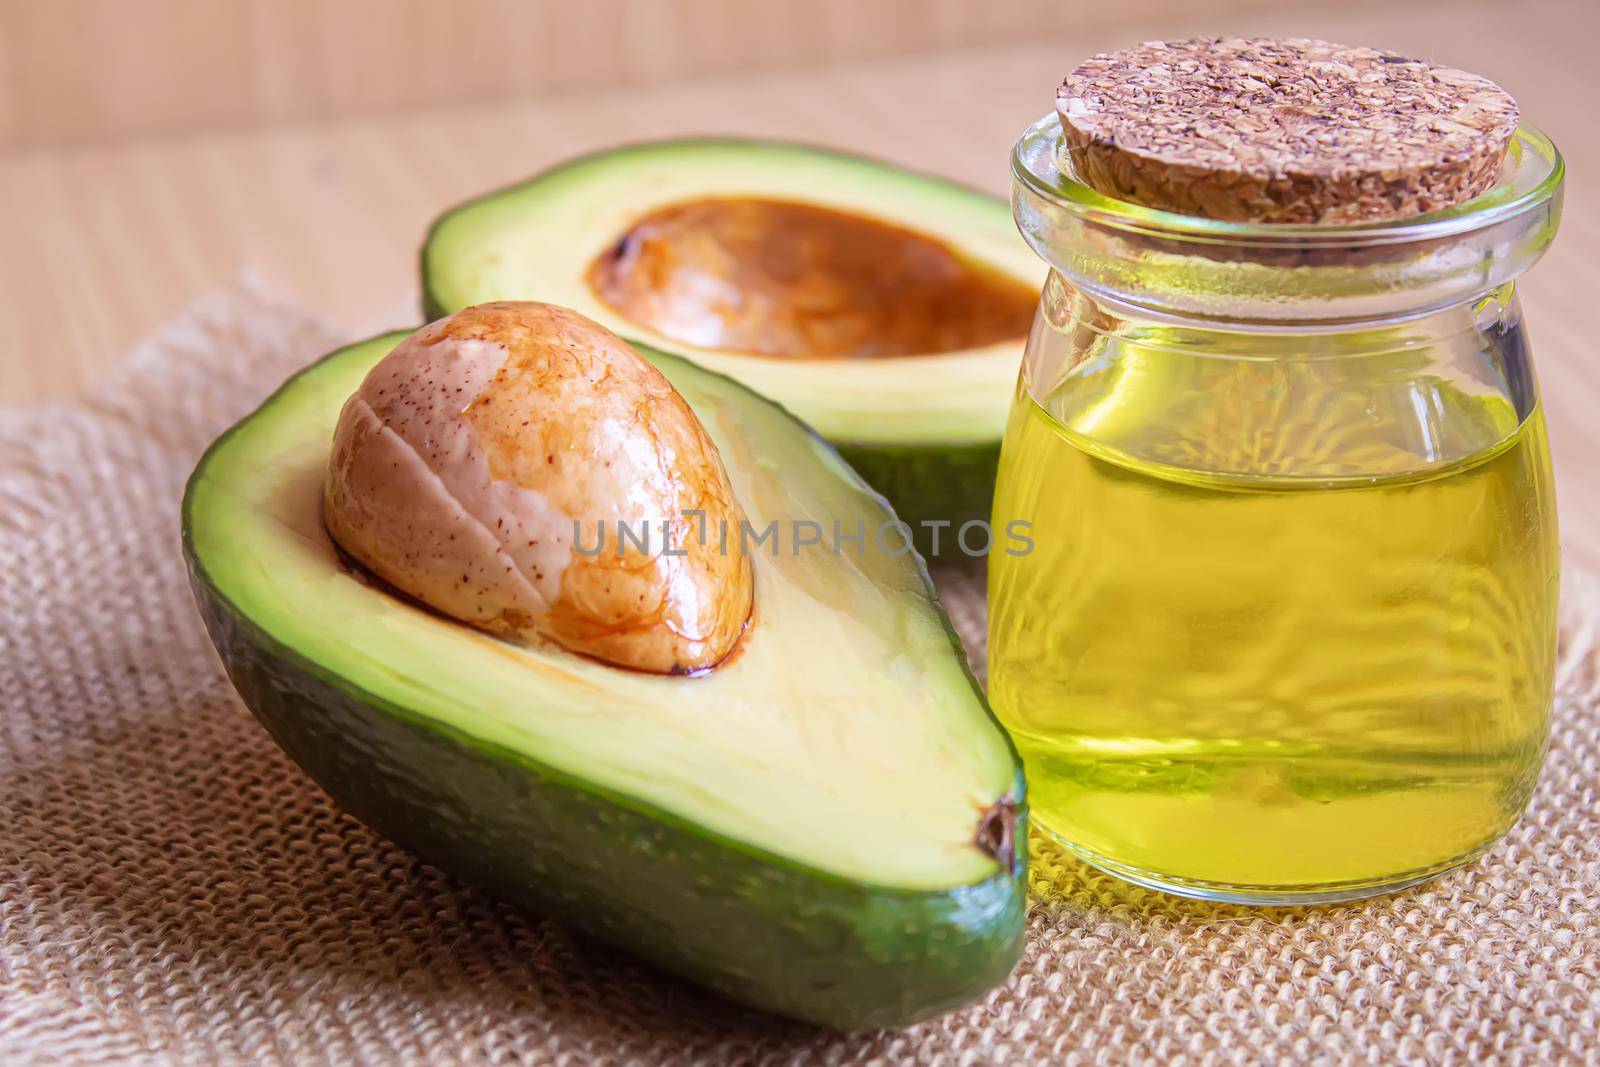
794,280
479,465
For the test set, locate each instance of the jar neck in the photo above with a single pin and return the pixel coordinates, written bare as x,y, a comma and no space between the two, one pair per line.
1161,265
1064,305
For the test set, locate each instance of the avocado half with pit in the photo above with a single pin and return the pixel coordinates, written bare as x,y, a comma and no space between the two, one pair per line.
829,825
885,307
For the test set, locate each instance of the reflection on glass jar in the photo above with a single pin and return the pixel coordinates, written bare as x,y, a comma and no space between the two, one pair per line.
1287,630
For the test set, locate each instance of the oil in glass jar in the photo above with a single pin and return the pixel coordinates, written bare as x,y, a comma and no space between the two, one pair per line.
1287,628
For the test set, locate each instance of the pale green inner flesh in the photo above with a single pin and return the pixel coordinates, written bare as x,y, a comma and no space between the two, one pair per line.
845,735
536,241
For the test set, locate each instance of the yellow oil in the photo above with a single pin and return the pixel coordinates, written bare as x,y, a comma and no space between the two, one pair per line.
1286,628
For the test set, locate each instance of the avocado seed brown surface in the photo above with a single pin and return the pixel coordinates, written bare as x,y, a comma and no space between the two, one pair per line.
472,455
786,279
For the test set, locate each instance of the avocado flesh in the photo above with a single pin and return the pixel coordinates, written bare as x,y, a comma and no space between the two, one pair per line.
798,829
925,428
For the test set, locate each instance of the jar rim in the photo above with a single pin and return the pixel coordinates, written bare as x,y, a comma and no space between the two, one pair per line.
1531,176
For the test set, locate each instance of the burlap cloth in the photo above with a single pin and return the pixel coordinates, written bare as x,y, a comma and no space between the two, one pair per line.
173,889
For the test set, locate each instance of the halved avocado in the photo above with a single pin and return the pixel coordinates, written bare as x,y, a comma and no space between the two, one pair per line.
830,825
885,307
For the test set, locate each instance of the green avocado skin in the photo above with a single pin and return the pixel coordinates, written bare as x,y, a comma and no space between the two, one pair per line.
948,485
834,952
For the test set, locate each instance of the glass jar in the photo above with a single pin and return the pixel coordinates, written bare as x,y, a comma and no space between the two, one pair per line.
1284,628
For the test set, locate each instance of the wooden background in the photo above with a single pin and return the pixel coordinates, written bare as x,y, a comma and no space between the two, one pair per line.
77,70
152,150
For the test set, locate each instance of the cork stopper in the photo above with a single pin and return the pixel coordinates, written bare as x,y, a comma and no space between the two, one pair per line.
1291,131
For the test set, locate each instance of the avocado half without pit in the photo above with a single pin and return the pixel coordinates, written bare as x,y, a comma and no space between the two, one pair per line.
885,307
766,769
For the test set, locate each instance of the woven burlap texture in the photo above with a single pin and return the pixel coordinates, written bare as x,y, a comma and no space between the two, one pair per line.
173,889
